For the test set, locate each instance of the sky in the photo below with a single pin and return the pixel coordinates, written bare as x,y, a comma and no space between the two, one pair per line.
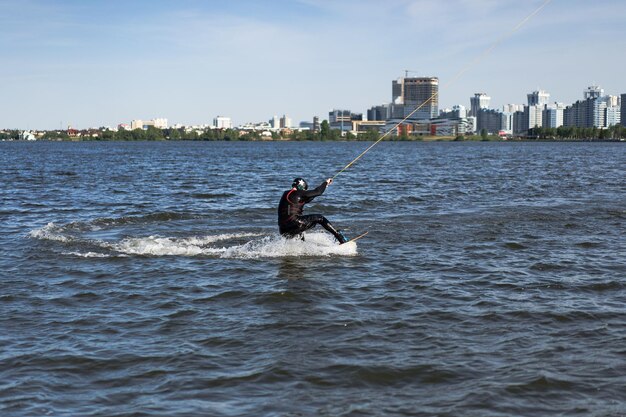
92,63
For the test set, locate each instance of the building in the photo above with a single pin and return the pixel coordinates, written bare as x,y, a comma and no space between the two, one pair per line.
593,91
479,101
509,119
512,108
520,123
416,98
599,112
538,98
490,120
342,119
285,122
316,124
433,127
534,116
222,122
381,112
623,110
457,112
596,110
275,122
580,114
159,123
553,115
363,126
613,116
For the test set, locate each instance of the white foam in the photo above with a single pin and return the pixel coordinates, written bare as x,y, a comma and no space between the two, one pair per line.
274,246
316,244
163,246
50,232
91,254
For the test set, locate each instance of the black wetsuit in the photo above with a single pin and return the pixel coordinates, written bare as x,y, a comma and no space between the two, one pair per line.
291,221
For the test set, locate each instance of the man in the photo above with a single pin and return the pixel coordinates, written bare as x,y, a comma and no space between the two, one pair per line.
291,221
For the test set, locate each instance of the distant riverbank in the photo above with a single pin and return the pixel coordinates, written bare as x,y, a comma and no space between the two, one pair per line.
567,134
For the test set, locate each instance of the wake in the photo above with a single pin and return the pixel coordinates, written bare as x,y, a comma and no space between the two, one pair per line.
72,241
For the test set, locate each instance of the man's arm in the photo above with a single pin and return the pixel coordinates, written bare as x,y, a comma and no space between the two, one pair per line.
319,190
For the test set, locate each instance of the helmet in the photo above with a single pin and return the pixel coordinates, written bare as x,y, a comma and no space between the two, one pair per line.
300,184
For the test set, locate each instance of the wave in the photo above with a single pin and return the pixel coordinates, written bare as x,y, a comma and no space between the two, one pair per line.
209,196
51,231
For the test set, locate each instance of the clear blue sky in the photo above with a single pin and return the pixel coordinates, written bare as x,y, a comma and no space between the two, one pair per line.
92,63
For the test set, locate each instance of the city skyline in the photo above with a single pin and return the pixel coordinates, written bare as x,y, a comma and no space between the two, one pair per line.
107,63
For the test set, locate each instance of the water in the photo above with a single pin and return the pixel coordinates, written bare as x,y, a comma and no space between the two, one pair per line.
148,279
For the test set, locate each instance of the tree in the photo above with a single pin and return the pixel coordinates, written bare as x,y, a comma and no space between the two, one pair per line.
371,135
483,134
174,134
107,135
325,130
138,134
153,133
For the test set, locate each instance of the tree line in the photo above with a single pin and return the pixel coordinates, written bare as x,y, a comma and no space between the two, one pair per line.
614,132
325,133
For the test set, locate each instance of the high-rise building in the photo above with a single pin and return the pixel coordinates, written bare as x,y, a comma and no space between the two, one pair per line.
580,114
593,91
599,112
222,122
553,115
490,120
479,101
512,108
613,116
419,97
596,110
538,98
520,123
381,112
316,124
623,110
459,111
535,116
285,122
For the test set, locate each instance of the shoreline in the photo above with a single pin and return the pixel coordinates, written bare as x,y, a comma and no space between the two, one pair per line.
392,139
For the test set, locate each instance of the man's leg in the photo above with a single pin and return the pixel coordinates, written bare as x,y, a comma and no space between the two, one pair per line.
311,220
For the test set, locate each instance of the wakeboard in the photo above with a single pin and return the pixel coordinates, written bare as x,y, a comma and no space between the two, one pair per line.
355,238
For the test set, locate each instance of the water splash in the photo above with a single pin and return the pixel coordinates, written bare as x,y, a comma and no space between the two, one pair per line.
316,244
265,246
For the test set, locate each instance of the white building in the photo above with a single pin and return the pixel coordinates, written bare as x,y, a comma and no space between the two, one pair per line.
222,122
553,115
275,122
512,108
613,116
479,101
159,123
535,116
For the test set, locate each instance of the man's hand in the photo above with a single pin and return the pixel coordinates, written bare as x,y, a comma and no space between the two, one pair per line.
329,181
